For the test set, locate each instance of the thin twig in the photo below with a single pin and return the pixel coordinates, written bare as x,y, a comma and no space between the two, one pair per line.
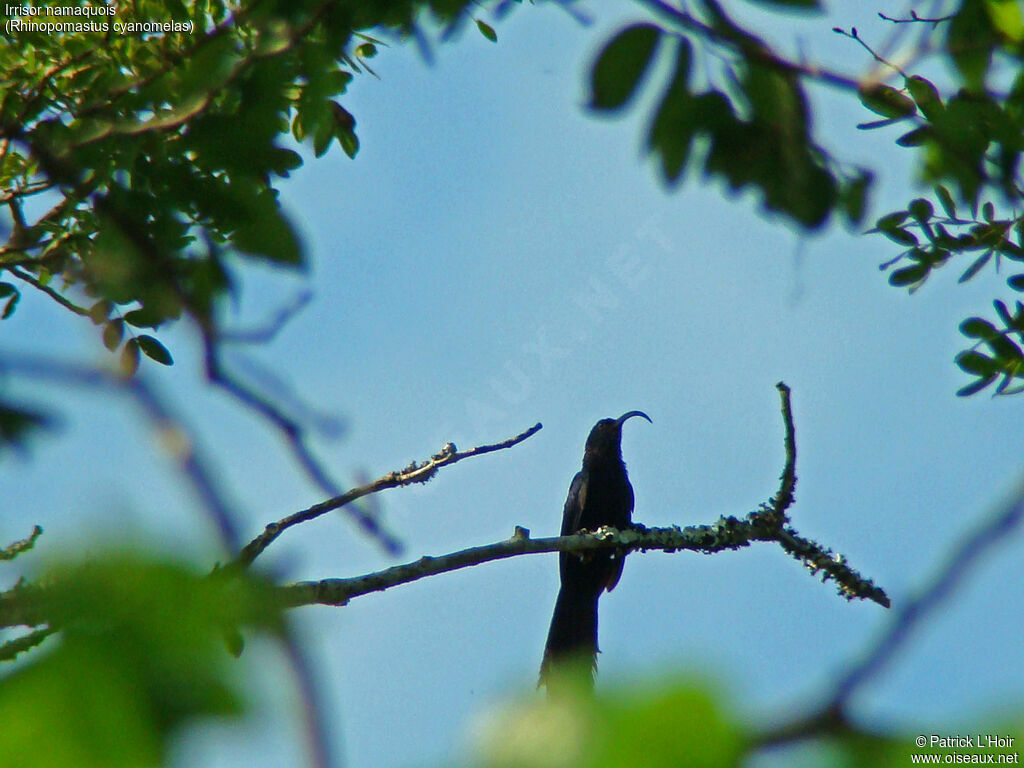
295,437
752,49
854,35
414,473
784,498
914,18
39,285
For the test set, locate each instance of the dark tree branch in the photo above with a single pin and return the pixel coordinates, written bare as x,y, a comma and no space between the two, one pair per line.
784,498
914,18
967,554
833,716
412,474
266,333
308,683
180,441
749,47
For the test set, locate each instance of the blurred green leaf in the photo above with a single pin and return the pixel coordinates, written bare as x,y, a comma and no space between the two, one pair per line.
916,137
674,722
113,332
908,275
947,201
970,41
130,357
621,65
853,197
975,267
10,305
1006,19
676,119
901,236
920,209
141,654
891,220
886,101
976,363
975,387
154,350
977,328
925,95
487,31
144,317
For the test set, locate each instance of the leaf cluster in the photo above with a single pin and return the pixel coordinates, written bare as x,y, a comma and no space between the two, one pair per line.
141,653
156,157
754,131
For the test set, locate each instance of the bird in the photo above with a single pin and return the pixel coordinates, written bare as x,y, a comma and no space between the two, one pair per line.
600,494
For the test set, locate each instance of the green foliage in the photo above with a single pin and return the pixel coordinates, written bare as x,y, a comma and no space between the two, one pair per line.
160,153
674,722
621,65
933,241
753,133
141,653
487,30
745,120
680,722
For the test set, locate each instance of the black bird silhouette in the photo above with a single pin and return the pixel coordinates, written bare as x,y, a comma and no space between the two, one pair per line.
600,495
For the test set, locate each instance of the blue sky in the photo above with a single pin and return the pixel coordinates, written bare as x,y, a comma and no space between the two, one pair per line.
495,257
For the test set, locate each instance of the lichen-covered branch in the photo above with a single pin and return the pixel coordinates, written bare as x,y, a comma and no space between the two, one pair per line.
416,472
769,523
15,548
726,533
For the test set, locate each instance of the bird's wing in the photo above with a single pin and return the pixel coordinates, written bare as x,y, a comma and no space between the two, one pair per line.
574,504
618,557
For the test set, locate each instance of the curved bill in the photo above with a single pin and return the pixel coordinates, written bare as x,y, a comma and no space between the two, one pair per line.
630,415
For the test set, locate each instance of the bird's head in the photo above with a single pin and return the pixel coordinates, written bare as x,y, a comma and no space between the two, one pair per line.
606,437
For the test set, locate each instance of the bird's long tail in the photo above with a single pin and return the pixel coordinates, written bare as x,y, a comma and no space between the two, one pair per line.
572,639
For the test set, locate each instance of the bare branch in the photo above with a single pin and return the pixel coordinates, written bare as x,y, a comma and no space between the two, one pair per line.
412,474
15,548
727,533
784,498
914,18
854,35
